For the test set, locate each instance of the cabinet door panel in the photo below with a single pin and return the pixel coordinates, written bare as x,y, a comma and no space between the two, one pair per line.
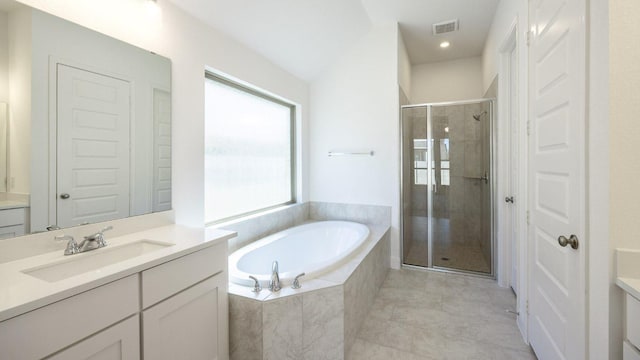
119,342
185,326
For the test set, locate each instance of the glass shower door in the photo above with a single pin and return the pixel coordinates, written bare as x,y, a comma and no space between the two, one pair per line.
461,222
446,187
415,178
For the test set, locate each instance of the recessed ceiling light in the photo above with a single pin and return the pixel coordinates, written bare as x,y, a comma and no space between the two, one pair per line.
444,44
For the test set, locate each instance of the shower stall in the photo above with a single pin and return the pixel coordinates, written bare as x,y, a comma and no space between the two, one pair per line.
447,186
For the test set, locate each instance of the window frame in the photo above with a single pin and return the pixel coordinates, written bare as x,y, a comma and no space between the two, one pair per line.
292,137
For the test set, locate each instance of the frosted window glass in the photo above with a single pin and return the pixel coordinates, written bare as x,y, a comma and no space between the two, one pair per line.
248,160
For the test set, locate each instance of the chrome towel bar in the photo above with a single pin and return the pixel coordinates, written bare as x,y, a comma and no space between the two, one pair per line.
333,153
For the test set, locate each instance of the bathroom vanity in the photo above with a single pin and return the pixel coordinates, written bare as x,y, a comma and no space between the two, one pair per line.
154,294
13,219
628,278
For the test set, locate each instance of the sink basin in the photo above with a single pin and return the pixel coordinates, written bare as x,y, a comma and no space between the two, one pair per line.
93,260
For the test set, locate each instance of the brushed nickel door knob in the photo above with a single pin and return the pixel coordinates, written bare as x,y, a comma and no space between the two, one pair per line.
572,240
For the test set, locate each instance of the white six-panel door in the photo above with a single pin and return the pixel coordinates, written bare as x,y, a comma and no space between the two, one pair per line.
93,147
557,178
161,150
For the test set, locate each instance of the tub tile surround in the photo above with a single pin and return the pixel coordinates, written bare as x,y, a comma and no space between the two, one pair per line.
365,214
256,227
320,320
327,331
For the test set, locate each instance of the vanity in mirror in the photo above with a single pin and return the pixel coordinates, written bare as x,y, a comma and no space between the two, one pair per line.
85,125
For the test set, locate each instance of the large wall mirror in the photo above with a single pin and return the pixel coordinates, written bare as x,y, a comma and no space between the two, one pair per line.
85,125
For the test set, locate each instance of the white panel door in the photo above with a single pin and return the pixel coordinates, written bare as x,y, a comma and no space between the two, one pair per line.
557,178
93,147
161,150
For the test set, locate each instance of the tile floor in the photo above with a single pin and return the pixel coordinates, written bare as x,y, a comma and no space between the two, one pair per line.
419,315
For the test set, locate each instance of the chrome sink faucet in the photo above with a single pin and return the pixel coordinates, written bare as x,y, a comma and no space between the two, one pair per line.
90,242
274,283
72,246
94,241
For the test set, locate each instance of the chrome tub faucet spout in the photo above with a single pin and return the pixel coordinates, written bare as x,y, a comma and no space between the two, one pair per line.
274,283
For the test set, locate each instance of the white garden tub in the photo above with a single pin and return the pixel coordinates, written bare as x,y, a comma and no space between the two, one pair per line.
313,248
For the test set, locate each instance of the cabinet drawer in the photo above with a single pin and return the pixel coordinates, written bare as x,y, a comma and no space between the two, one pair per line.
633,321
48,329
12,217
164,280
629,352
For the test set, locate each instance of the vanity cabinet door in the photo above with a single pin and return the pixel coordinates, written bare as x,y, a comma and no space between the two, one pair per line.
119,342
189,325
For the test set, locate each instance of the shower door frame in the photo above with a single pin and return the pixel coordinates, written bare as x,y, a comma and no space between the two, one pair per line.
492,187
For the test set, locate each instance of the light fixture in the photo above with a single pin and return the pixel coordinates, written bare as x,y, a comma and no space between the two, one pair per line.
444,44
446,129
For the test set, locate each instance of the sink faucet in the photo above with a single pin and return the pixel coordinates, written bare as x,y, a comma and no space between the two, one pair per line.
72,246
274,283
94,241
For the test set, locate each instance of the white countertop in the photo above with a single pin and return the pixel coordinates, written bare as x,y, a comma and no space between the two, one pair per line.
628,271
630,285
12,204
20,292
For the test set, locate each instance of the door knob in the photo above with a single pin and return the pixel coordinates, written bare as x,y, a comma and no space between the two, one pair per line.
509,199
572,240
64,196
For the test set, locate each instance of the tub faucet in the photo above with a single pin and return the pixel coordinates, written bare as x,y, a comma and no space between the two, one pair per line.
274,283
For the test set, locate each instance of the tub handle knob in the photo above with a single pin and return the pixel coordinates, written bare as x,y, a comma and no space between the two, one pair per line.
296,282
256,284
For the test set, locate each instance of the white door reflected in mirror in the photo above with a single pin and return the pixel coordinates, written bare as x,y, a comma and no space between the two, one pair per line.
93,147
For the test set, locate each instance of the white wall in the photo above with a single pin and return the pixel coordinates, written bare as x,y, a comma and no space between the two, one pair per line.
191,46
605,327
459,79
4,95
4,57
624,131
510,16
20,101
508,13
404,67
354,107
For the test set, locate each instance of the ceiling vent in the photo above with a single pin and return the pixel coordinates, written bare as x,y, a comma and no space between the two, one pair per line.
445,27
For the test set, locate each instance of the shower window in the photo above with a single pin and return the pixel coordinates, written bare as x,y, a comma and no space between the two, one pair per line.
444,162
420,161
249,150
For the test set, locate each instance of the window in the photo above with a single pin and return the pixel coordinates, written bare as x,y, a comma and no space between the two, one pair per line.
249,150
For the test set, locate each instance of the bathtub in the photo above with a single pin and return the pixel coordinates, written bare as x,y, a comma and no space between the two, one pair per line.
313,248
